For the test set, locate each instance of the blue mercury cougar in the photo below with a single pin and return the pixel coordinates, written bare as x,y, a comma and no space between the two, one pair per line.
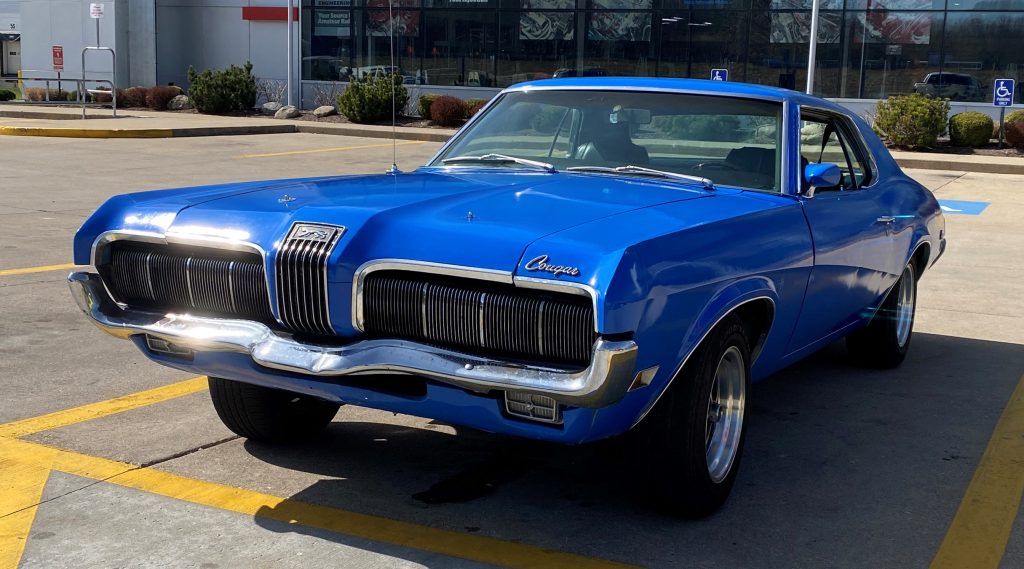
585,257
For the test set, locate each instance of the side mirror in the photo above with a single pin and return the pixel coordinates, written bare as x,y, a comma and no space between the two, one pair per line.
821,176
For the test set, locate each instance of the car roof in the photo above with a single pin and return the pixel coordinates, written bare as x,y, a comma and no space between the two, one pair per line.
699,86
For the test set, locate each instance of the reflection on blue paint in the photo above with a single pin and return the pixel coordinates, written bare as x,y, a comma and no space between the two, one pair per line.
958,207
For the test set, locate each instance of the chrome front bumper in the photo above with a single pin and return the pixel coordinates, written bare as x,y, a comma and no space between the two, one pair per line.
605,381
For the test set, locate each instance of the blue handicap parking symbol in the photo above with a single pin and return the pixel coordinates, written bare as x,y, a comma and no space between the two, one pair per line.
1002,92
719,74
958,207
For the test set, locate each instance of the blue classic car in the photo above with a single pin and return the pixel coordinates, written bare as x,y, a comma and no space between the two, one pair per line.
584,257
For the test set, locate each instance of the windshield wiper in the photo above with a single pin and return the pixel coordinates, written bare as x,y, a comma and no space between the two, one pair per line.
641,171
501,159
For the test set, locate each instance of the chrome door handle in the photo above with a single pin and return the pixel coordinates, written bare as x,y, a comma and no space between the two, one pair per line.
886,219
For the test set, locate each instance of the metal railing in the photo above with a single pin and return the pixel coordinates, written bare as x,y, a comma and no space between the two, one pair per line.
80,88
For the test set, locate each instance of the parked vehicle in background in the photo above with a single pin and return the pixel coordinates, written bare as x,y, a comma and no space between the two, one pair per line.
585,257
952,86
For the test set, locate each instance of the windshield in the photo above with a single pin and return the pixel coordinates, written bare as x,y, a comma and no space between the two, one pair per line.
733,142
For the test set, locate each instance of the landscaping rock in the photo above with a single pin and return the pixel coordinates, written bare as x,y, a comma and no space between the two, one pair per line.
324,111
179,103
287,112
271,108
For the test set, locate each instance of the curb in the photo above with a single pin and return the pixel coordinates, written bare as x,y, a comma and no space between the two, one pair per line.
972,166
145,132
439,136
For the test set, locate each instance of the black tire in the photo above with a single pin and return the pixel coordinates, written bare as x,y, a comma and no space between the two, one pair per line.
675,434
881,344
269,415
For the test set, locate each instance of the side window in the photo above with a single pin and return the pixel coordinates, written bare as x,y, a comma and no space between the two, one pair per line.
825,141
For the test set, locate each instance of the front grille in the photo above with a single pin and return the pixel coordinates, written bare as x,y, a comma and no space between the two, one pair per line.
199,280
301,275
479,316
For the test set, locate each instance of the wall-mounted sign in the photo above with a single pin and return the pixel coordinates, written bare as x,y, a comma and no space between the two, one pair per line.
58,57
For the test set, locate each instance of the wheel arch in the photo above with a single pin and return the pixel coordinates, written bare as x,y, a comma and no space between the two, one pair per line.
756,308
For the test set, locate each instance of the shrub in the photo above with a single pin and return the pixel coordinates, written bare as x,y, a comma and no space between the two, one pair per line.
271,90
448,111
158,97
6,95
132,97
1014,132
222,91
473,106
971,129
424,104
39,94
911,120
1014,116
373,97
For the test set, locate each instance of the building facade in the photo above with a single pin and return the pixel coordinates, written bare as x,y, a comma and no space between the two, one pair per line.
867,49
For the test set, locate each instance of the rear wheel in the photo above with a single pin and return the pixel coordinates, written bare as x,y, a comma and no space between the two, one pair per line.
884,342
270,415
694,436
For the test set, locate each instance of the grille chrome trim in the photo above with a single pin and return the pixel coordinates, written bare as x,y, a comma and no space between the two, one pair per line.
364,270
473,315
612,365
145,275
300,274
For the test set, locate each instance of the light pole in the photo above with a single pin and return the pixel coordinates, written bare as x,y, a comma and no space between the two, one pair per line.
811,53
288,69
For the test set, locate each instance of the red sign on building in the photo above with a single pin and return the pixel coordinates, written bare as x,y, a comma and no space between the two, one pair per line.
58,58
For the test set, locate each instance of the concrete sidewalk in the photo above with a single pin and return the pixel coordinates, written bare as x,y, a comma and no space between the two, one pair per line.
66,122
26,120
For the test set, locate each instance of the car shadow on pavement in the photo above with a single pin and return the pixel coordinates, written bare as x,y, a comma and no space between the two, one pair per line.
843,467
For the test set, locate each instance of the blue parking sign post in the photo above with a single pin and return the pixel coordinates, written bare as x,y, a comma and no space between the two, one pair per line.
719,74
1002,97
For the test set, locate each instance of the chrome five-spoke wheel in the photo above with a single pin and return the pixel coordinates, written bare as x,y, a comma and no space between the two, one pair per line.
725,414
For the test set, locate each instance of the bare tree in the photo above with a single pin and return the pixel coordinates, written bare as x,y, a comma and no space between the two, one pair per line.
325,95
271,90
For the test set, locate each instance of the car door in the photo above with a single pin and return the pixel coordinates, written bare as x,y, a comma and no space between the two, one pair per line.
851,226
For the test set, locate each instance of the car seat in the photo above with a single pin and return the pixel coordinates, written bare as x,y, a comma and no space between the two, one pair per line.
610,143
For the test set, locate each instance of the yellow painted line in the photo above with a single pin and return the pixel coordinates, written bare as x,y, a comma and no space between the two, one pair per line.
22,479
103,408
87,132
250,503
41,269
334,149
980,529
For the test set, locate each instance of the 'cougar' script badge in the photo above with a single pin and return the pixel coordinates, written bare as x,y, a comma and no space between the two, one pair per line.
540,263
312,232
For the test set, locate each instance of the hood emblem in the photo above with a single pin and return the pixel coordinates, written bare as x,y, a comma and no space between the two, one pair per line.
540,263
314,232
285,199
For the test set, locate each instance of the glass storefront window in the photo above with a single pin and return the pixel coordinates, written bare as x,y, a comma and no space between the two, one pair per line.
979,48
459,48
537,42
890,53
326,39
691,44
866,48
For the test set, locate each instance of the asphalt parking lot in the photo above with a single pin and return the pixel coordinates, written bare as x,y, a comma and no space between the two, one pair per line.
109,460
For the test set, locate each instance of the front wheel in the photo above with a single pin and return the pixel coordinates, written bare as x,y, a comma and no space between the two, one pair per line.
694,436
269,415
884,342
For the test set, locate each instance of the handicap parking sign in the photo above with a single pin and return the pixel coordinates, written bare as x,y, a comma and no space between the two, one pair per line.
719,74
1002,92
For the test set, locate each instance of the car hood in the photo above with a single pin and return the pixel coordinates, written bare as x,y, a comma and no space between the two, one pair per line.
469,217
